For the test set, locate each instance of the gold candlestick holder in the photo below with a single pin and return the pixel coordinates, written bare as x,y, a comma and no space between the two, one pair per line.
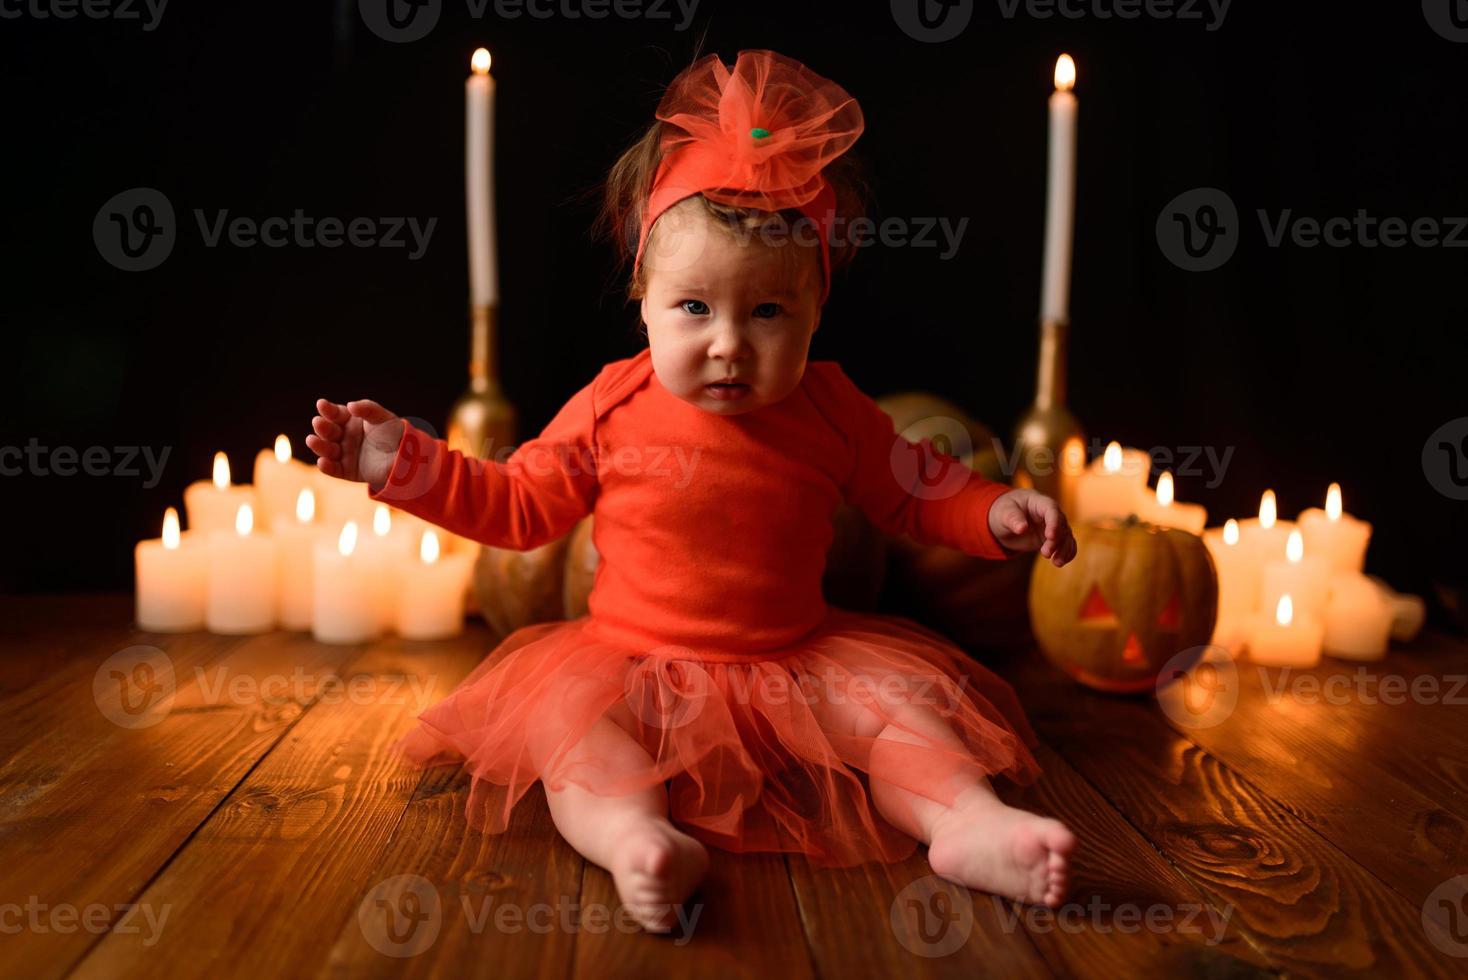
1050,446
482,422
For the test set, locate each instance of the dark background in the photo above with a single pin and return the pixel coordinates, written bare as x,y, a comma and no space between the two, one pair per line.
1315,364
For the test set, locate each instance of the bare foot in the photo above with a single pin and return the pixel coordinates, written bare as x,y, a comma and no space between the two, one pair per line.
995,848
656,867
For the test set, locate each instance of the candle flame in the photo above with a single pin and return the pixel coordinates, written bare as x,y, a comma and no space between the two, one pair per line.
480,61
1284,613
1333,502
170,529
1295,547
428,547
381,520
1111,459
1065,73
244,520
305,506
1164,488
221,470
1073,456
347,541
1230,531
282,448
1267,510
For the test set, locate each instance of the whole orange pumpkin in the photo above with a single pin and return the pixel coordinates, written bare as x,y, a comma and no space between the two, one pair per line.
1135,596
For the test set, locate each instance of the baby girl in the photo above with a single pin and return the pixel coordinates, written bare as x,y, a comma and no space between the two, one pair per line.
710,696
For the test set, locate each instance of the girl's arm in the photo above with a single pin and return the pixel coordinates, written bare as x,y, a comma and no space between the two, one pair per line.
911,488
535,496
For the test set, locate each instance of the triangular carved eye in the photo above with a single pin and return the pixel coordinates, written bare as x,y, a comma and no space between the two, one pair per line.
1172,617
1096,608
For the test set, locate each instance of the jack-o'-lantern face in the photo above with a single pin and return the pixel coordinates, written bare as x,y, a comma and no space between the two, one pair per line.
1135,596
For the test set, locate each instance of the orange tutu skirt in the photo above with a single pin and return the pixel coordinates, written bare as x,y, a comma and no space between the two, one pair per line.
766,754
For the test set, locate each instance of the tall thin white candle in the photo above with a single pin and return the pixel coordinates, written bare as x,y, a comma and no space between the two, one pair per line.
484,286
1061,195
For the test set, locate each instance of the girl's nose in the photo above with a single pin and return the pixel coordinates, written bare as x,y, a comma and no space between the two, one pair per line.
727,343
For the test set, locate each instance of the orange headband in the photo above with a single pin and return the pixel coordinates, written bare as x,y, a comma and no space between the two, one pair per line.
754,137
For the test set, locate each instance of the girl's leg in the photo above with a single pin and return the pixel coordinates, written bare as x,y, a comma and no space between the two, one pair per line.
655,865
978,841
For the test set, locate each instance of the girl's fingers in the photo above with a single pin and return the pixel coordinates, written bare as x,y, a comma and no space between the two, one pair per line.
369,411
326,429
329,466
323,448
332,410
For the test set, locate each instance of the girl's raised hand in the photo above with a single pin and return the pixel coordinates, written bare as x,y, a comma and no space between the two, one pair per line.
356,441
1027,520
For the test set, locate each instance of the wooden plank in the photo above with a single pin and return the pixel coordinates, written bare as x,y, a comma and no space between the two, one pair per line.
1297,898
743,923
901,920
93,810
1130,912
508,903
278,866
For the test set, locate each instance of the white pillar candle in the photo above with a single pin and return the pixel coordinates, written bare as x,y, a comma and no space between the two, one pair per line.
211,505
1409,612
386,549
1358,618
1304,577
1113,486
1238,582
1265,537
1282,639
278,483
1060,195
430,604
295,539
1161,509
1335,535
339,501
479,180
172,578
242,578
344,593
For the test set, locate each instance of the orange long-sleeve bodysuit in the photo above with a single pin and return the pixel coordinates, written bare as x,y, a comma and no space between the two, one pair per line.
713,532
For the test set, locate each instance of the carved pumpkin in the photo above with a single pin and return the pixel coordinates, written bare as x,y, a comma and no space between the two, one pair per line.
518,588
582,560
1135,596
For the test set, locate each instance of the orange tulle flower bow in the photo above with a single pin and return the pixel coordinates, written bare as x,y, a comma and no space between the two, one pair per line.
757,136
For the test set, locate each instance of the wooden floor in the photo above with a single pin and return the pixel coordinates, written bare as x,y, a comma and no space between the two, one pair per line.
253,826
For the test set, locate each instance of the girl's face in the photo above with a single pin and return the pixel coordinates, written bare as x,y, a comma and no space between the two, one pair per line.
724,304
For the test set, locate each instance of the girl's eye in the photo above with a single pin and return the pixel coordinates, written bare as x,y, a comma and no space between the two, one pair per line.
767,310
695,307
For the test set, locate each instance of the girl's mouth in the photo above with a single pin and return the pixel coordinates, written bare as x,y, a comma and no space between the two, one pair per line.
728,392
